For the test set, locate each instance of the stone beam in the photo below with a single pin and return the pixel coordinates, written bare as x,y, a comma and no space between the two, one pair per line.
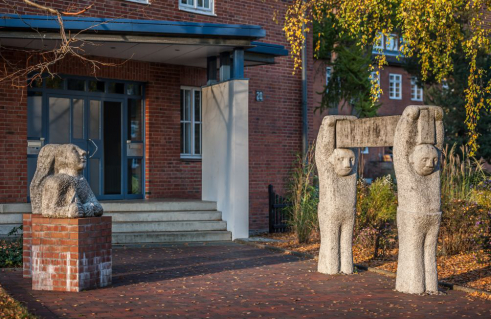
367,132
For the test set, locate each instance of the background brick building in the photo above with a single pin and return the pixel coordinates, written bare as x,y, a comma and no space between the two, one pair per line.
275,123
399,90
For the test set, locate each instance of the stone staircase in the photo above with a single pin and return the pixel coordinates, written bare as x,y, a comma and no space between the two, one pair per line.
139,222
147,221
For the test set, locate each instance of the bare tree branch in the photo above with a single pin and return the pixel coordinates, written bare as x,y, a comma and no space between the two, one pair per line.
39,62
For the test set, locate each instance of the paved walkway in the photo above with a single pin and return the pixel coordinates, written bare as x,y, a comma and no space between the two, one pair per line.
235,281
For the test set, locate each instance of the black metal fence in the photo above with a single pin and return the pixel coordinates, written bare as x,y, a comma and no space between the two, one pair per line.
278,215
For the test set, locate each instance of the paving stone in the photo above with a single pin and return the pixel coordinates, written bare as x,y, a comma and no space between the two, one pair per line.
227,280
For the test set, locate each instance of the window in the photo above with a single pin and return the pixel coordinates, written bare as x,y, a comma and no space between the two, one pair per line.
190,122
364,150
328,74
416,91
395,86
379,45
392,42
198,6
445,86
374,77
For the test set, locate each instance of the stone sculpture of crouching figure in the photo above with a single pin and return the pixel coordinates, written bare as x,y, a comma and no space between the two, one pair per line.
337,199
58,188
418,143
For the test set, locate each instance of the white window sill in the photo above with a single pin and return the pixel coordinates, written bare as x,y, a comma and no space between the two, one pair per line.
186,157
202,12
139,1
395,98
417,100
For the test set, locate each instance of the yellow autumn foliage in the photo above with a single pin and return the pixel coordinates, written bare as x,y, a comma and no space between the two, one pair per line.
432,31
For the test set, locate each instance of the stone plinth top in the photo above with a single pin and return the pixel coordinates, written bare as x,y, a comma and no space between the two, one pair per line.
71,221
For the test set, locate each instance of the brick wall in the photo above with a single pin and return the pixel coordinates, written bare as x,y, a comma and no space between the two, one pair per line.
275,125
68,254
166,175
13,137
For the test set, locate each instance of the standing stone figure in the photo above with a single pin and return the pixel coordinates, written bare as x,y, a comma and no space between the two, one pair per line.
58,188
418,143
337,199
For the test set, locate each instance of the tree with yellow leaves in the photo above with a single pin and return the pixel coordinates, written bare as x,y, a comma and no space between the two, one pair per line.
433,32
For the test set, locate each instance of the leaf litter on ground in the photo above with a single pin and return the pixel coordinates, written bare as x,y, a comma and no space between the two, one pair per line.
470,269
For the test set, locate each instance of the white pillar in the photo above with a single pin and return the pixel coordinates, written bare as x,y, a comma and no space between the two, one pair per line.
225,163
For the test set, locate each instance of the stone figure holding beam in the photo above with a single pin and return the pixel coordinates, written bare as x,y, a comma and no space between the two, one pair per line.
417,137
337,199
418,143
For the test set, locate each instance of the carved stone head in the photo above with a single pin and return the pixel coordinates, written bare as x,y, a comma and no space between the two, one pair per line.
424,159
70,160
343,160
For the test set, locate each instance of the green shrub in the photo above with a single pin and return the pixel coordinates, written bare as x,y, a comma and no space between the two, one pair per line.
304,197
376,214
11,250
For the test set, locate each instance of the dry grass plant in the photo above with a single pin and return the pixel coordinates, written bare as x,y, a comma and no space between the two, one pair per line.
304,197
465,221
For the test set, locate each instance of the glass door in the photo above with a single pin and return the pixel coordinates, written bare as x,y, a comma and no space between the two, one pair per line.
104,118
96,126
112,155
134,148
95,146
68,122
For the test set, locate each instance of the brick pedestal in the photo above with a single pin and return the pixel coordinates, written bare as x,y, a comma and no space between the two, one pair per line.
27,242
66,254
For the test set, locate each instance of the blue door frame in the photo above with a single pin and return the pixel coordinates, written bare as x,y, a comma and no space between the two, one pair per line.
90,145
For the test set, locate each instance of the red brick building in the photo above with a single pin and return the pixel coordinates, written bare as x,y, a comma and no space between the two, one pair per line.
139,116
399,89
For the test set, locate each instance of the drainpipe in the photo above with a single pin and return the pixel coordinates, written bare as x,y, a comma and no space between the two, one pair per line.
305,122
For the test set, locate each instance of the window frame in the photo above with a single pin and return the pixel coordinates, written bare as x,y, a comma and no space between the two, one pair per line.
393,86
195,9
192,121
416,91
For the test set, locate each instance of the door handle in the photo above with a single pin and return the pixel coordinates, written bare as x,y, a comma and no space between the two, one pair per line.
96,148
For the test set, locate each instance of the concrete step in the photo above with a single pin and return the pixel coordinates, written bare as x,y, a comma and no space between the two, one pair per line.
176,226
147,221
164,216
164,237
158,206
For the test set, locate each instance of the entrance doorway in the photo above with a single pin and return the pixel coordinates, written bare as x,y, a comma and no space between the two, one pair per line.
104,118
